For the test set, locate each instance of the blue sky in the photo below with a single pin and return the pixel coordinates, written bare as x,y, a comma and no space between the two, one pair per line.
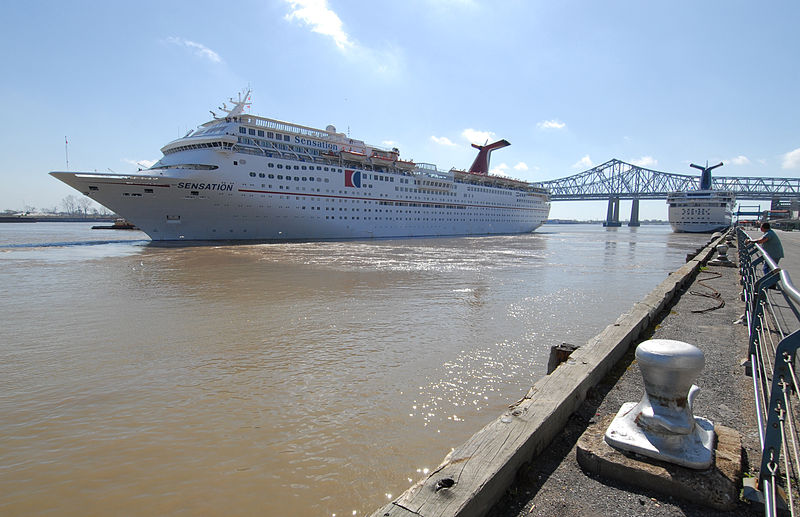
570,84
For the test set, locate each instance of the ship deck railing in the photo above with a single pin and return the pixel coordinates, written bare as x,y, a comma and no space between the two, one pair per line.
772,310
286,127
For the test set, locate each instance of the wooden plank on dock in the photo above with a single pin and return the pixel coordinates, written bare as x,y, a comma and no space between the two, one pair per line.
477,473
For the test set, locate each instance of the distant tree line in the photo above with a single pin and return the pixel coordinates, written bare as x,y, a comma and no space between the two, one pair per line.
70,205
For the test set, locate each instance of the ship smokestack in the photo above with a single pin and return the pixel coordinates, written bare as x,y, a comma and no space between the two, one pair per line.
481,163
705,176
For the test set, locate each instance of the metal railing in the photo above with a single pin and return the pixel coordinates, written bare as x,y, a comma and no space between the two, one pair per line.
773,321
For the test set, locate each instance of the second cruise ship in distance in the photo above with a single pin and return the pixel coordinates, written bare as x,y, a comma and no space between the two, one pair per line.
245,177
701,211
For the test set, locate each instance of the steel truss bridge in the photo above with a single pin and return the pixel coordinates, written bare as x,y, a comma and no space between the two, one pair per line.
615,180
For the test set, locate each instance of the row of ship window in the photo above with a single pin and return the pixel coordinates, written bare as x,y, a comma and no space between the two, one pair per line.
289,178
301,167
258,132
267,144
688,205
515,220
403,189
423,191
275,136
695,211
285,127
225,145
355,217
395,203
490,191
367,176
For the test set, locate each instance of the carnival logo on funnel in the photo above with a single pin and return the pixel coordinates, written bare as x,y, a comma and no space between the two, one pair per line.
352,178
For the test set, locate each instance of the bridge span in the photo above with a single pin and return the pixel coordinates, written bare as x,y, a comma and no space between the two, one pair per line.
615,180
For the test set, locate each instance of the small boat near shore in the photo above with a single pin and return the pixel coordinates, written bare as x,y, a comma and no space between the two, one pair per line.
119,224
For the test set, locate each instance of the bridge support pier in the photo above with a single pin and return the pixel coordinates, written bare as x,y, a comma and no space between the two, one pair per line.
634,213
612,216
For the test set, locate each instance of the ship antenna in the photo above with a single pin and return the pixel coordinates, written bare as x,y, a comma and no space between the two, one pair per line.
239,106
66,151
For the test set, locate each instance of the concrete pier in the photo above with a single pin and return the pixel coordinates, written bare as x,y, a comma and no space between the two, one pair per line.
634,221
554,483
525,462
612,216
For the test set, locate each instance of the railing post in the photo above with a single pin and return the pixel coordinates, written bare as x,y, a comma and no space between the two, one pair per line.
784,356
744,256
773,408
757,303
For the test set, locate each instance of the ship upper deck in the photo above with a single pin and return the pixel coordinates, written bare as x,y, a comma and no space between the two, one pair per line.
237,131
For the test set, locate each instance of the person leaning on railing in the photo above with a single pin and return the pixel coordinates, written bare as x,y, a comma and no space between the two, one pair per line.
770,243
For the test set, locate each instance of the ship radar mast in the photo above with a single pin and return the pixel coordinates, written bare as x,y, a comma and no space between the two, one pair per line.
237,108
240,105
705,176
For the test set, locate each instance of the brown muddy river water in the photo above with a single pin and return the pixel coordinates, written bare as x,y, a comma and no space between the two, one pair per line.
302,379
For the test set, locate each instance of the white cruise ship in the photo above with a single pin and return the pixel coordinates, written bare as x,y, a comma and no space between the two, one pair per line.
240,176
703,210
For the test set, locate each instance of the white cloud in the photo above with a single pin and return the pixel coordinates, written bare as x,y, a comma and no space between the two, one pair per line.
583,163
198,48
645,161
145,164
478,137
321,19
551,124
389,143
317,15
500,170
791,160
521,166
443,140
739,160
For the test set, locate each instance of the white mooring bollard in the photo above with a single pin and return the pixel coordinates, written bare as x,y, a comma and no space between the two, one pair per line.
662,425
722,257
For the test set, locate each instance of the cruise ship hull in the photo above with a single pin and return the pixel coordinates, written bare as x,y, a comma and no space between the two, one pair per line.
700,211
185,205
681,227
242,177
